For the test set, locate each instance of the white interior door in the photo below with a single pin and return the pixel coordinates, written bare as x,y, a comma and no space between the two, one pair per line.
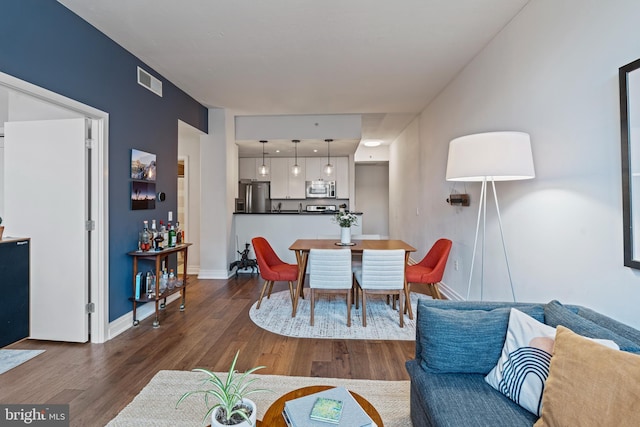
46,183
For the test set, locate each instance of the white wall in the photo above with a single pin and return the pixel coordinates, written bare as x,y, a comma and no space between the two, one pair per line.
552,72
372,197
189,147
216,201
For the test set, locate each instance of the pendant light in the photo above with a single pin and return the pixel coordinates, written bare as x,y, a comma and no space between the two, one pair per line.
328,168
263,170
295,169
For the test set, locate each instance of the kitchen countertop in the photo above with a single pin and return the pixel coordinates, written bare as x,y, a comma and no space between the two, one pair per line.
291,212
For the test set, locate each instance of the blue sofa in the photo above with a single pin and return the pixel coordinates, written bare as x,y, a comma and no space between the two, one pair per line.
458,343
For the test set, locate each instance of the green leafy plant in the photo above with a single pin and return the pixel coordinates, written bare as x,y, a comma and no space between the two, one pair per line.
228,393
345,219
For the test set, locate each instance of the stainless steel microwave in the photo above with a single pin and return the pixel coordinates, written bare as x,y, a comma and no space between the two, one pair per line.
321,189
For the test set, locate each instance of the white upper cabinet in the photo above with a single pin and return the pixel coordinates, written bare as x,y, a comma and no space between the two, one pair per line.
315,166
283,184
286,186
248,168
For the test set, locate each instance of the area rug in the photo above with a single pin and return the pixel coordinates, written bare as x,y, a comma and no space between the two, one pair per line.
9,359
330,318
155,404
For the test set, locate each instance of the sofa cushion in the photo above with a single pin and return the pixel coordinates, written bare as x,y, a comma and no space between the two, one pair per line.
619,328
556,314
523,367
464,341
590,385
460,400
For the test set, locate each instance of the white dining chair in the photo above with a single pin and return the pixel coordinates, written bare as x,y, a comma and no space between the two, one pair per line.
330,272
356,259
382,273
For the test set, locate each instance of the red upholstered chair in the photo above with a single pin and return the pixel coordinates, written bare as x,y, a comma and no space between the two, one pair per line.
431,269
272,268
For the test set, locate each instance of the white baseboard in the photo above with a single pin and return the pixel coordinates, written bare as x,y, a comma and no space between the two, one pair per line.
449,293
125,321
193,269
214,274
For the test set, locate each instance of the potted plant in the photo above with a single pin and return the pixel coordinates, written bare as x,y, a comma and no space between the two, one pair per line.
232,407
345,220
1,228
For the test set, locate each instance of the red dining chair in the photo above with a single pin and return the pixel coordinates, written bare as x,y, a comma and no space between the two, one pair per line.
431,269
272,268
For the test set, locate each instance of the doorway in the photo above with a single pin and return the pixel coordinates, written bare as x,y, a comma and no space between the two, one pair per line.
96,259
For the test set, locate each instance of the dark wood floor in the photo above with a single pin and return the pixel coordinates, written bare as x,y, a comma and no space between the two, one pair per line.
98,380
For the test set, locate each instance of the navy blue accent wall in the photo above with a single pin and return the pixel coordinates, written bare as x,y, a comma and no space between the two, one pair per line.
44,43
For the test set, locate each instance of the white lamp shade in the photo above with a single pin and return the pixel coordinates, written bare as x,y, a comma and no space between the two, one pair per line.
491,156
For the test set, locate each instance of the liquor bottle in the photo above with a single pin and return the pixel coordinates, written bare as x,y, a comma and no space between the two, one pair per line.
151,284
145,237
171,280
164,281
178,234
165,233
154,234
172,236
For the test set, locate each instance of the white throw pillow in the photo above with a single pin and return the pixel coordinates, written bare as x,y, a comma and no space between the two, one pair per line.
523,367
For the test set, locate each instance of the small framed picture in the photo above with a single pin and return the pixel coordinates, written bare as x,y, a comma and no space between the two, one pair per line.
143,195
143,165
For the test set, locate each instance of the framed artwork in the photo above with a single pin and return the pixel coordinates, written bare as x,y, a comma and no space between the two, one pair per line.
143,165
143,195
629,86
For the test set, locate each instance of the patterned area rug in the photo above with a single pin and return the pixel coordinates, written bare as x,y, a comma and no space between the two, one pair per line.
155,404
9,359
383,322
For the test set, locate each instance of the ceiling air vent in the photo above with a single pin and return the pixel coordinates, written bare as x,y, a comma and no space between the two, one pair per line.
147,80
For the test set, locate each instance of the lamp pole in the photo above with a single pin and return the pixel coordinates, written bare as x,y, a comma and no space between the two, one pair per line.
482,211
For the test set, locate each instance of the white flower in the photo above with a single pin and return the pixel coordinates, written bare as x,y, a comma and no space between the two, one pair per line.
345,219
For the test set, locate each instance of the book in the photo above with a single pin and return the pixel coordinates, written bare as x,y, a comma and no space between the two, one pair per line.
328,410
298,411
287,420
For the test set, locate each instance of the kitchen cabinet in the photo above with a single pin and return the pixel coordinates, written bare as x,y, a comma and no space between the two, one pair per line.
314,171
283,184
315,166
14,287
248,168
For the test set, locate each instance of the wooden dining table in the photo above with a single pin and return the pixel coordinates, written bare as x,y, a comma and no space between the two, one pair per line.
301,247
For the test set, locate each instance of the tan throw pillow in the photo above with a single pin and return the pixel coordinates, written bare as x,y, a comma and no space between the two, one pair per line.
590,385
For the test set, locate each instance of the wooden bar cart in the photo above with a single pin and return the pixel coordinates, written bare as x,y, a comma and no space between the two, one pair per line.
156,297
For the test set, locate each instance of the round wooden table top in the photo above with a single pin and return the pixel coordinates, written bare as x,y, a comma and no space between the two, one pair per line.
273,416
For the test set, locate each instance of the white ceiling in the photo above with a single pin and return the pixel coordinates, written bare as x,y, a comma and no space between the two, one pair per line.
383,59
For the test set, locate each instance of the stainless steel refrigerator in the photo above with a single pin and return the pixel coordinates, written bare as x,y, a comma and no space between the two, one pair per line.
256,196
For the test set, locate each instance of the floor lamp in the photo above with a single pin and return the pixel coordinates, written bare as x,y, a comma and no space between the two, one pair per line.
490,157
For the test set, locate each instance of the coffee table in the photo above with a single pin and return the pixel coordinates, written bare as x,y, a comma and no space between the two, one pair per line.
273,416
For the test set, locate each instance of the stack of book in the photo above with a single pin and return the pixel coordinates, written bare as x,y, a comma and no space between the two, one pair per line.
335,406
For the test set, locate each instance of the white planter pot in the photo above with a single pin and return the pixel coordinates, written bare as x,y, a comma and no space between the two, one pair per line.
345,235
252,417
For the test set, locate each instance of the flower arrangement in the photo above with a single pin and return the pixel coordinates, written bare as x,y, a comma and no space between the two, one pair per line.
345,219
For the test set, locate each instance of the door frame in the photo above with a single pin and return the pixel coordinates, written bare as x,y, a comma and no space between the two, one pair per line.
185,226
99,289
